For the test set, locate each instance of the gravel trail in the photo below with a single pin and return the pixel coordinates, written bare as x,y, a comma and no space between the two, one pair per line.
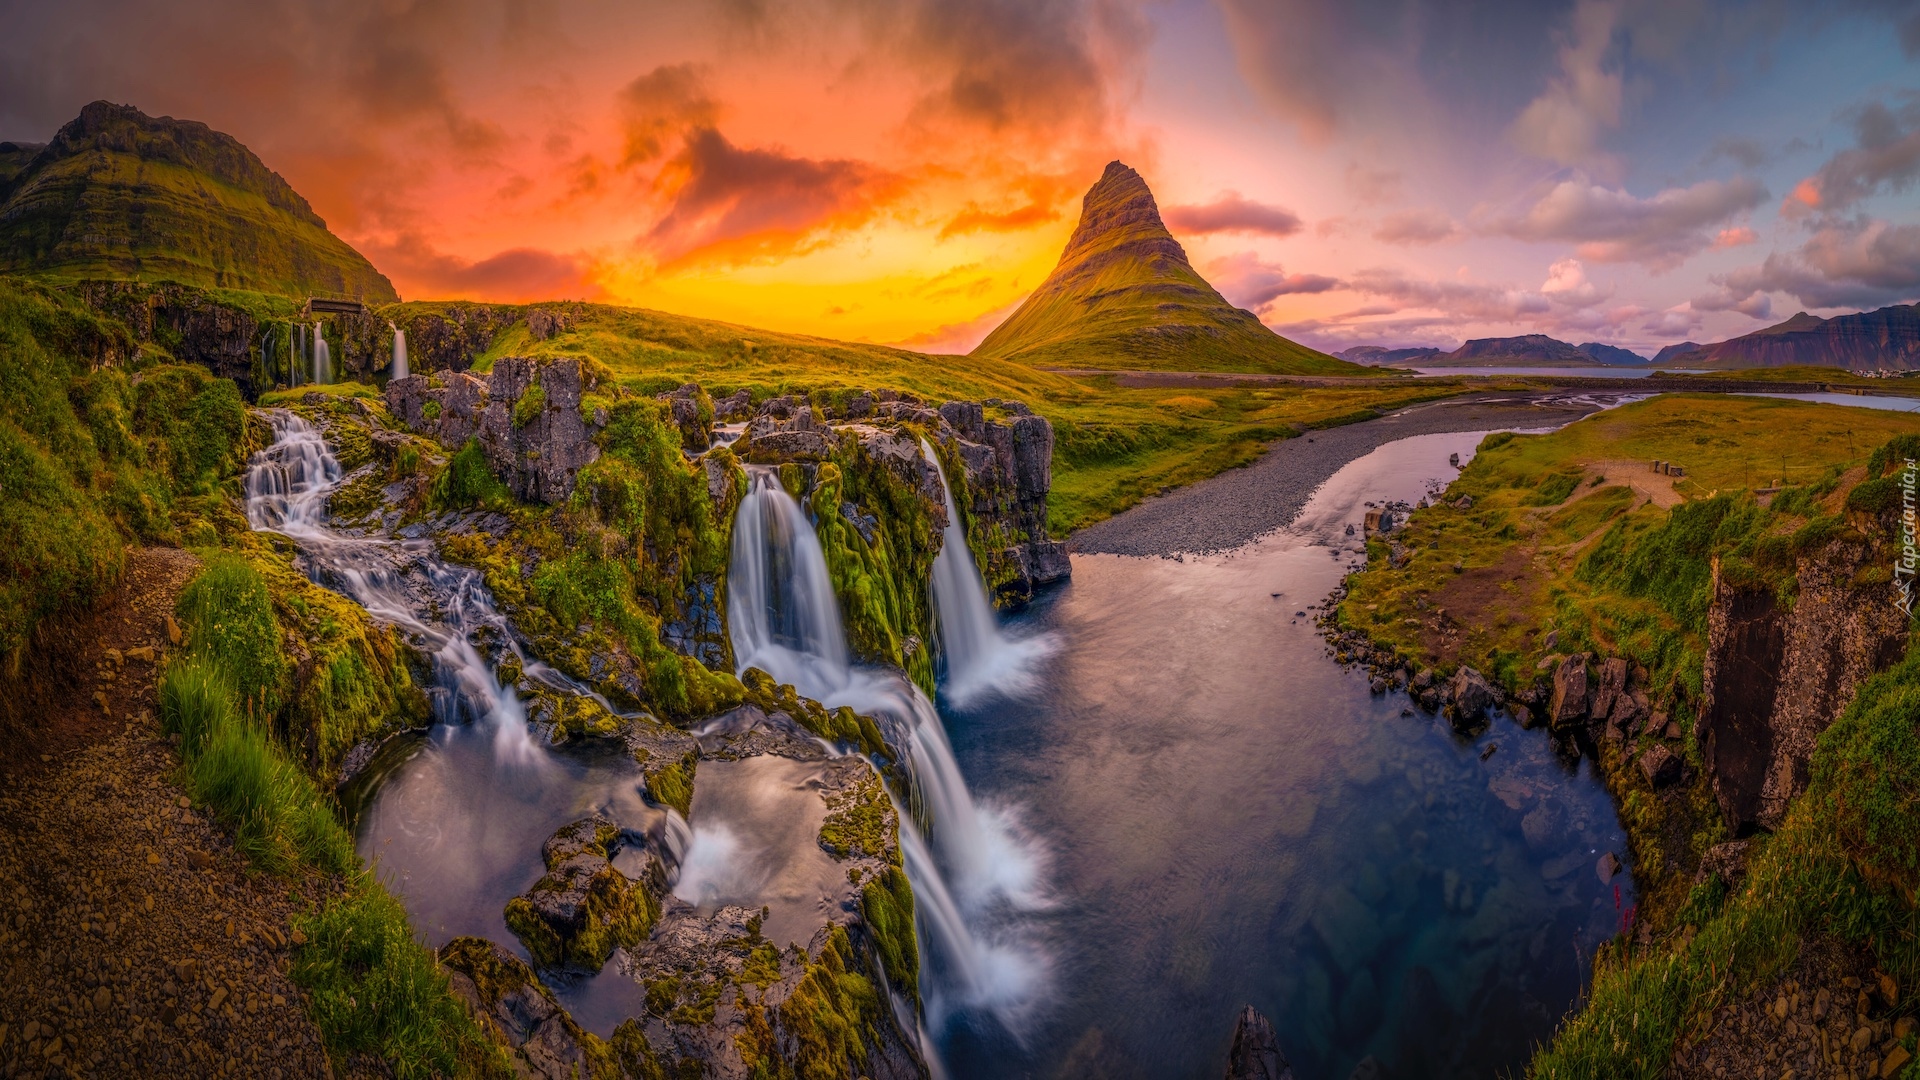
1226,511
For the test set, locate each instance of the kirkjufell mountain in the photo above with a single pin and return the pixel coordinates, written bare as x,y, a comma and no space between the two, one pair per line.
1124,296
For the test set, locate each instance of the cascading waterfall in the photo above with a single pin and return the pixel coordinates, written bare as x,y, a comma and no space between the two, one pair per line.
784,619
322,360
980,658
397,581
399,368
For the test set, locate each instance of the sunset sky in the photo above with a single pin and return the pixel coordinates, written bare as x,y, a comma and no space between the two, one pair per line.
1379,172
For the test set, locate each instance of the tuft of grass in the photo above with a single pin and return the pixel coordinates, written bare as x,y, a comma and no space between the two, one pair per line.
231,765
373,989
228,612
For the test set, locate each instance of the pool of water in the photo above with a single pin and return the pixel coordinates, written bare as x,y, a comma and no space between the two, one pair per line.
1858,401
1229,817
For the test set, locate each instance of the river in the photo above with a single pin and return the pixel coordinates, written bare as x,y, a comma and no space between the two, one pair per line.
1185,805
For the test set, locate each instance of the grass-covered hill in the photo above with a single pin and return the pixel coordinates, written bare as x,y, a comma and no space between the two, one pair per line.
1125,296
122,195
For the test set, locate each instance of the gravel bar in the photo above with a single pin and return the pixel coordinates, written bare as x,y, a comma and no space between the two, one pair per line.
1241,505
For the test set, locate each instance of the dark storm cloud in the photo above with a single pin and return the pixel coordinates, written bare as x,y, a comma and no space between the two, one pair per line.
1885,157
664,103
1856,264
730,202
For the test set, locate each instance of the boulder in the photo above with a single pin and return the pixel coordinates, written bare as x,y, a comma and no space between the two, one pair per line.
583,908
1569,701
1659,765
538,446
1472,697
1729,860
506,997
692,412
1609,687
734,406
1255,1054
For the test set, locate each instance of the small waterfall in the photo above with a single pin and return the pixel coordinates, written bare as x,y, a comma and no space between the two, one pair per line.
980,658
322,360
976,869
402,582
293,354
399,368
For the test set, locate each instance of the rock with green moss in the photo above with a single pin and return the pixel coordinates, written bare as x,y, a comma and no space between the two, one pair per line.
583,908
505,995
667,758
1001,493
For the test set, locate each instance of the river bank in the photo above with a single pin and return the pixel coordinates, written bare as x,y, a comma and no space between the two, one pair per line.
1235,507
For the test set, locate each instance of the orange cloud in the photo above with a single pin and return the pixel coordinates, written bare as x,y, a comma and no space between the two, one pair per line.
1734,237
731,204
1806,193
973,219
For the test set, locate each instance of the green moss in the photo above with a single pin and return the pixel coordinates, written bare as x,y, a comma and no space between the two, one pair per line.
860,822
531,404
886,904
672,783
840,725
832,1018
468,481
881,585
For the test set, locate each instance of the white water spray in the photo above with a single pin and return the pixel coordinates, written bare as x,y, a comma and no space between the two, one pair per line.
981,659
397,581
399,368
322,360
784,619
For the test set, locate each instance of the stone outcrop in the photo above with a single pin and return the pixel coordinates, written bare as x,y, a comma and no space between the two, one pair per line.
526,415
1009,468
583,908
1001,488
692,412
1256,1050
1775,678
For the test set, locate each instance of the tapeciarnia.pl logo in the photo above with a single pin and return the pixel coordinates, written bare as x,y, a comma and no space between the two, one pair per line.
1903,567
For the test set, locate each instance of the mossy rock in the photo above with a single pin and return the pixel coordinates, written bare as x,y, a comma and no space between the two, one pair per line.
583,908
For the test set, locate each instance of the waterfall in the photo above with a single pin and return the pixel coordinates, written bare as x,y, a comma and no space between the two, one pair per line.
322,361
293,354
980,658
402,582
976,869
399,368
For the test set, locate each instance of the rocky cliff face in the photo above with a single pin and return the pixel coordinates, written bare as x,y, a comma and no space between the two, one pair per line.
526,416
1775,677
1006,470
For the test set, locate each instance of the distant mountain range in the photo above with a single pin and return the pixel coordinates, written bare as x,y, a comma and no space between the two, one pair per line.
1124,296
1527,350
120,194
1883,340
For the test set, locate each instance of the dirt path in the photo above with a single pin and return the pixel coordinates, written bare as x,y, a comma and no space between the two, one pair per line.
132,941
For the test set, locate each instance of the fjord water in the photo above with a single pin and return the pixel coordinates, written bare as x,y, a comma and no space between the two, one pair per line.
1233,818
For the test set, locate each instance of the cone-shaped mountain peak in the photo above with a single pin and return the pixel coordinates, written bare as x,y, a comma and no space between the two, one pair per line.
1124,296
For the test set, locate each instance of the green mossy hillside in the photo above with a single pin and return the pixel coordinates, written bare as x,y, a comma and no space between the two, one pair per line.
373,989
100,447
119,194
